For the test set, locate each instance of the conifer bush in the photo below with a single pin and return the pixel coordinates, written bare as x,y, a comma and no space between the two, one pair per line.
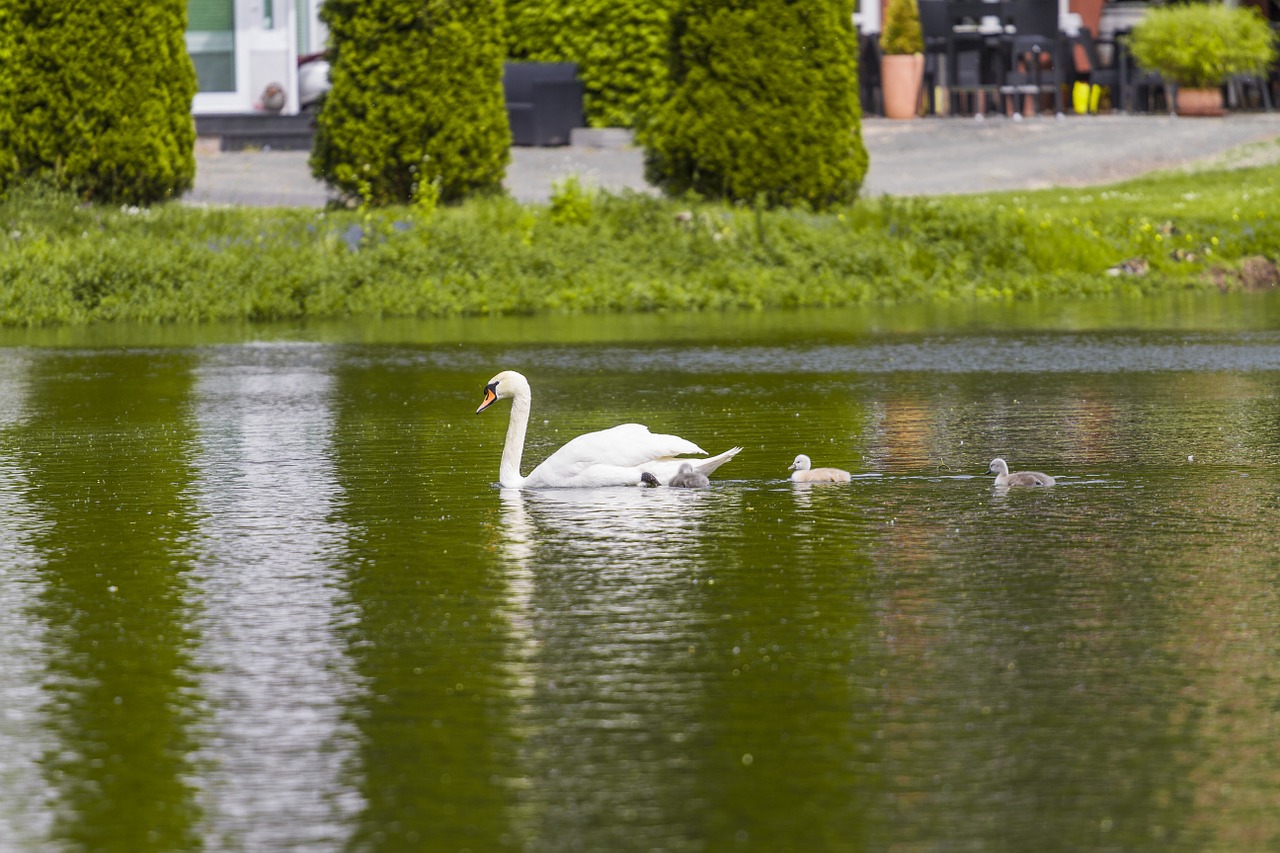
902,34
95,98
620,49
416,101
763,104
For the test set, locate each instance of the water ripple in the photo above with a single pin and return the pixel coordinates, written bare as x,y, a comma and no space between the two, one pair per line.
991,355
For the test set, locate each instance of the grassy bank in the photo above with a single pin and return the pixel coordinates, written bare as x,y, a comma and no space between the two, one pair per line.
64,263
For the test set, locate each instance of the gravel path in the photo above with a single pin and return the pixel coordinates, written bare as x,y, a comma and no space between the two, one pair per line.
922,157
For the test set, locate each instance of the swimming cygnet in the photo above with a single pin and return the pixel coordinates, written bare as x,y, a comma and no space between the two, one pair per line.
1018,478
805,474
687,478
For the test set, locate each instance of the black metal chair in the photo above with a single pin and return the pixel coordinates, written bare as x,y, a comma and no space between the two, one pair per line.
1034,38
869,88
1140,86
936,30
973,53
544,101
1242,89
1273,73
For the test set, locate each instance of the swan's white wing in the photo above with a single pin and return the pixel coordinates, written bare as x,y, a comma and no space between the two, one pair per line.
665,469
626,445
619,454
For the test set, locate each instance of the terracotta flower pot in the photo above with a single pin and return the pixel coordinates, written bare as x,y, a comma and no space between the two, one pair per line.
900,79
1200,102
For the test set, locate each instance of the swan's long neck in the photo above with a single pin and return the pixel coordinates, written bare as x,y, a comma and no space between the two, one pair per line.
509,471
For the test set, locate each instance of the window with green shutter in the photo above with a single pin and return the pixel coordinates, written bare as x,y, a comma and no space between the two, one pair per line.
211,41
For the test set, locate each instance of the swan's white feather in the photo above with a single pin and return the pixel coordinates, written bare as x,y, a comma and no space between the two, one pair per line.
624,447
665,469
610,457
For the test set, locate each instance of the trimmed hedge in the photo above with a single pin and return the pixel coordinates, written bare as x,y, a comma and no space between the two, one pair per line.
95,98
416,99
763,105
620,49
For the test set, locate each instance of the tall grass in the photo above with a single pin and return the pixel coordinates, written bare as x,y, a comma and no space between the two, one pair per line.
587,251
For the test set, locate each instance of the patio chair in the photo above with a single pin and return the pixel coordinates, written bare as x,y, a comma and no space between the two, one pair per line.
1243,89
544,101
1273,73
973,67
935,27
1138,85
869,89
1033,52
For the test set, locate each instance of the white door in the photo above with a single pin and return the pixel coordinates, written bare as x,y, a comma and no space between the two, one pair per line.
239,47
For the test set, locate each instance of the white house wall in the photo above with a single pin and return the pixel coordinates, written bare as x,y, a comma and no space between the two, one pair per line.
267,39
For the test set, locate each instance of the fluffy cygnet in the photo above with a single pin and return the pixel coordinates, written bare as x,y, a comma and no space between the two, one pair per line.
687,478
1018,478
804,473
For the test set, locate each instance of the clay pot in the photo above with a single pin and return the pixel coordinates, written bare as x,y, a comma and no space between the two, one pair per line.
900,79
1200,102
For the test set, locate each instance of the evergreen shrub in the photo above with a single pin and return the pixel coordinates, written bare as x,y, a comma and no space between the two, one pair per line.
763,104
95,98
620,49
902,33
415,100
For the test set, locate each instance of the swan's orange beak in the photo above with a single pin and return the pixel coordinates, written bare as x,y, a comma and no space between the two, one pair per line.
489,397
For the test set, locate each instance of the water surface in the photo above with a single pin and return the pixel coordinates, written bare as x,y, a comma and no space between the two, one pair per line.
259,589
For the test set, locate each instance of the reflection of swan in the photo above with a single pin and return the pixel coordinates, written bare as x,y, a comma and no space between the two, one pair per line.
616,594
614,529
687,478
806,474
621,539
1019,478
610,457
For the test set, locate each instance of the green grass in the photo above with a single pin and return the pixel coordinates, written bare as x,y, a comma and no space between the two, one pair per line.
64,263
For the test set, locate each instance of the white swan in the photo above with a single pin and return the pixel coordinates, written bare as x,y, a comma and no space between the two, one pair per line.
804,473
1020,478
610,457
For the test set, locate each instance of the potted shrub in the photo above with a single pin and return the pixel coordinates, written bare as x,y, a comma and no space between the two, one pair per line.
902,59
1198,46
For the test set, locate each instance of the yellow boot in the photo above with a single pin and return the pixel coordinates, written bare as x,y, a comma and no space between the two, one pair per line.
1080,97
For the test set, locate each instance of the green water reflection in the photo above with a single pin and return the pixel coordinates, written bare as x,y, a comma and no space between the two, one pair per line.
437,728
266,595
105,452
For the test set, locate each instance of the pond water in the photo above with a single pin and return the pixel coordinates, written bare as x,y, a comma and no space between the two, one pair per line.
259,589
